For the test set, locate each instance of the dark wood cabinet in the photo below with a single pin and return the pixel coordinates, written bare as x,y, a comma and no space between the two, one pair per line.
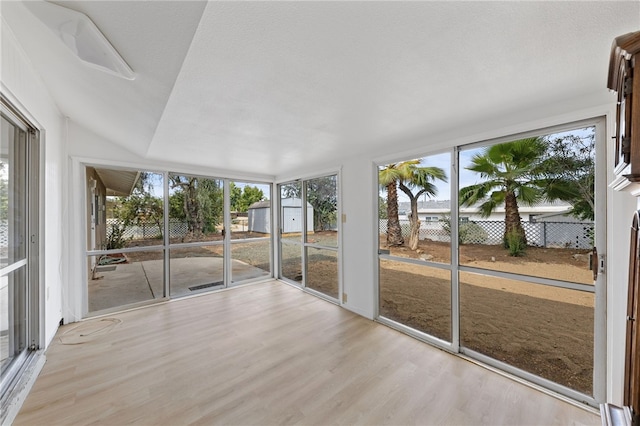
624,78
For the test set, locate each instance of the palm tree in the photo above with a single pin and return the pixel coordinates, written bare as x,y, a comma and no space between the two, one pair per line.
513,174
409,177
422,180
388,177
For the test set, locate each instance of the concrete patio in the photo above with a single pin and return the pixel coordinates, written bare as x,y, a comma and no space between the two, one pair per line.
127,283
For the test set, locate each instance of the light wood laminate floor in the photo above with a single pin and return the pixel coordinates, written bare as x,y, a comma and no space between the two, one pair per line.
269,354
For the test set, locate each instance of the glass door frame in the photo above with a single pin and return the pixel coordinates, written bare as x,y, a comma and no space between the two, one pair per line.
280,241
32,260
303,243
598,289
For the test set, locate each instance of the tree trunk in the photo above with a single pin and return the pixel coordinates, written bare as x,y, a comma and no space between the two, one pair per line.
414,220
394,231
512,221
192,209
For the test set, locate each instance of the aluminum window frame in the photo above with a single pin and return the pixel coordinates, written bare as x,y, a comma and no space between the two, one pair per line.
599,288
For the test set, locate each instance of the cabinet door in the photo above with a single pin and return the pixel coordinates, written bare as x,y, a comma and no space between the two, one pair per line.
632,364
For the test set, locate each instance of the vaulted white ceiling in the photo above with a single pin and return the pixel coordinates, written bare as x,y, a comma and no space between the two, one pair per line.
272,87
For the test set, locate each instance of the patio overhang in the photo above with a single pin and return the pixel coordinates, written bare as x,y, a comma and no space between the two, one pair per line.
118,182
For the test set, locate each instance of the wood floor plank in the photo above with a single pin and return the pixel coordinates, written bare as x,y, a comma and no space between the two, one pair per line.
271,354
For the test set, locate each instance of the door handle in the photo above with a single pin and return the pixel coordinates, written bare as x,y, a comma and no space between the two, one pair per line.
593,262
596,263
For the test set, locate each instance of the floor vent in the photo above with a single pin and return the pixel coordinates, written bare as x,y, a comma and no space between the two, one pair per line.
201,286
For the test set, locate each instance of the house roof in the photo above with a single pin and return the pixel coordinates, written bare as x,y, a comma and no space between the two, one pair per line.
439,206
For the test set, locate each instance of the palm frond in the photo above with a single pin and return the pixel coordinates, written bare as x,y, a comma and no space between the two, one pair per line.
429,189
489,206
473,194
529,195
389,174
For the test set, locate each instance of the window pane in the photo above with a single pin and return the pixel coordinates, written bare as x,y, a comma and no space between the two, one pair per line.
13,322
322,271
291,219
529,206
250,210
414,208
120,279
125,208
250,220
196,206
322,196
250,259
196,269
547,331
416,296
291,261
13,194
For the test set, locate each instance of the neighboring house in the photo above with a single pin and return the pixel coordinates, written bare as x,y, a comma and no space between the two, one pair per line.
435,210
545,224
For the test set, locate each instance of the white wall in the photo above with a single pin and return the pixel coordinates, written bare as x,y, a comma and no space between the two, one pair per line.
26,90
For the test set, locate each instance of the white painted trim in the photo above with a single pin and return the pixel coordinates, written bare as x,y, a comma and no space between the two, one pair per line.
22,389
601,284
446,141
375,249
308,175
177,168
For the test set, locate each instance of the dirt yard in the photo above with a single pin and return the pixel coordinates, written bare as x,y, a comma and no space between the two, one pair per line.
540,329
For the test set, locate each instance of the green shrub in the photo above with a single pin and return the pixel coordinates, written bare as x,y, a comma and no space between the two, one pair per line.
468,232
471,233
116,238
515,243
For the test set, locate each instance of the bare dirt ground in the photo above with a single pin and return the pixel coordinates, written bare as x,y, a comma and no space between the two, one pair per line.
540,329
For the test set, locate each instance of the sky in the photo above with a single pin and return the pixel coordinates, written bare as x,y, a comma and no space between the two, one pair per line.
444,162
467,177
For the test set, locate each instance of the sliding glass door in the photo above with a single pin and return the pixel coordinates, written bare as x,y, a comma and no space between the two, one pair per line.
19,285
